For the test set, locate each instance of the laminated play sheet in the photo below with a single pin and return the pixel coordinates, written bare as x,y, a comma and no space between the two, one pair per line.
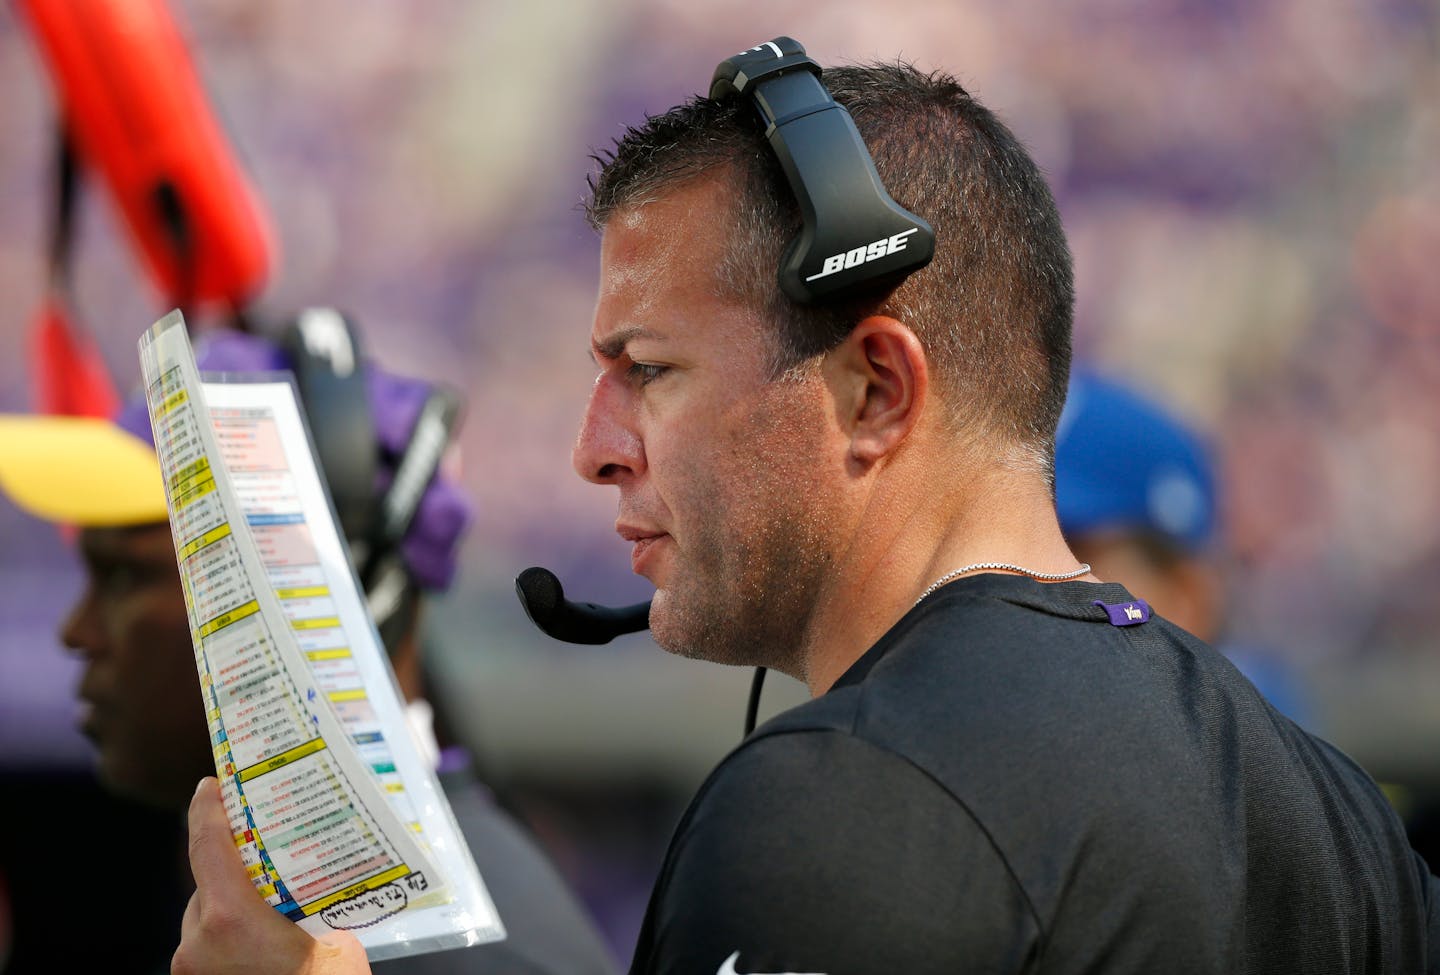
339,818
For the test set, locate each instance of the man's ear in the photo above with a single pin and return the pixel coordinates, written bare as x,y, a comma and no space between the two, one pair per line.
880,378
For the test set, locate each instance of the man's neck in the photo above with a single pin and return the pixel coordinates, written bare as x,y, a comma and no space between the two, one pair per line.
993,515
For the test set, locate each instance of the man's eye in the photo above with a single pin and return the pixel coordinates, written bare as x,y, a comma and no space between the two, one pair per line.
644,373
121,578
115,578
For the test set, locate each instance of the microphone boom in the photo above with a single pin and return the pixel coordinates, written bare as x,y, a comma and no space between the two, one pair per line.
543,598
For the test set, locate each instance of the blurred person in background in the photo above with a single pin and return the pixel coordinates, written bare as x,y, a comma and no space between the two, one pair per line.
1138,499
140,693
1007,765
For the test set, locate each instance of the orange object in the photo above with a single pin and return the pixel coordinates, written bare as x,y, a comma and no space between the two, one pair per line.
137,115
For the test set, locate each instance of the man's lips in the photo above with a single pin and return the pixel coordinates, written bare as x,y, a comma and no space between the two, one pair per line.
643,541
90,702
86,718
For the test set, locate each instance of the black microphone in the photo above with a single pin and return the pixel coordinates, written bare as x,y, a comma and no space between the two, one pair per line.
544,600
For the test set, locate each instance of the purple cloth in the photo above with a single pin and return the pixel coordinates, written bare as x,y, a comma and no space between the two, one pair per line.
1126,614
430,546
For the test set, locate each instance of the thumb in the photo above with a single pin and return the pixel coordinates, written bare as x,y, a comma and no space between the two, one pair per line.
220,876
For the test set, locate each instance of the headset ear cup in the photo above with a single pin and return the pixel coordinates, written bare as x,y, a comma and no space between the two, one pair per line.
325,355
855,239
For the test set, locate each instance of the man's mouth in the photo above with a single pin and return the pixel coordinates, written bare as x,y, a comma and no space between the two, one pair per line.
643,541
642,547
87,719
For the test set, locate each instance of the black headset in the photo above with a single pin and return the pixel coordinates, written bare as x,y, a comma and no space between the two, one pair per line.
855,240
325,356
855,237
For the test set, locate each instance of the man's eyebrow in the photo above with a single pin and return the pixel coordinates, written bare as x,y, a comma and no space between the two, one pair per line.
107,547
96,549
613,345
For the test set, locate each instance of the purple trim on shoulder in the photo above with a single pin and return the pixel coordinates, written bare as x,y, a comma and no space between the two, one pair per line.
1127,614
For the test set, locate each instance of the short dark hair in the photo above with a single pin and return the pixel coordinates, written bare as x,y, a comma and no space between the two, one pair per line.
994,308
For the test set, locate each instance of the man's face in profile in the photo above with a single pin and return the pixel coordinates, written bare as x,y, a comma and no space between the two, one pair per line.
139,692
726,476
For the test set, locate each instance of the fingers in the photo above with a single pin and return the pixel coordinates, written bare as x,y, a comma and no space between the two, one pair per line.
339,953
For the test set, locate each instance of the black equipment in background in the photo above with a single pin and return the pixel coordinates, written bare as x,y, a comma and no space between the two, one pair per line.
325,356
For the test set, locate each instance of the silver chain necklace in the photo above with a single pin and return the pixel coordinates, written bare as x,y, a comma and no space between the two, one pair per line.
1008,566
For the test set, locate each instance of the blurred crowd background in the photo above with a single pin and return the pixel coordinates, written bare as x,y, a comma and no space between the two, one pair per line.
1250,190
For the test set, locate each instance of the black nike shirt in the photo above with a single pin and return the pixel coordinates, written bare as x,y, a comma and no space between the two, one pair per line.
1012,781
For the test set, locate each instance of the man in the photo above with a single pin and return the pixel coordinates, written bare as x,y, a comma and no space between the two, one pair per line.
140,692
1136,492
996,774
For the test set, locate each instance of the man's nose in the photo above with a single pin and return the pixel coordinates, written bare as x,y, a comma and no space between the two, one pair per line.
608,448
81,632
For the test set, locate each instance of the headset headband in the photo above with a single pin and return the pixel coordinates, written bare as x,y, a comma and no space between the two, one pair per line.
855,237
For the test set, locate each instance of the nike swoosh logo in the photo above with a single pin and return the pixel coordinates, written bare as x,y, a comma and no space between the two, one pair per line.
728,968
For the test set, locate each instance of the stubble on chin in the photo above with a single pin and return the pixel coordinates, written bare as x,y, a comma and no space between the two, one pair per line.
749,605
750,570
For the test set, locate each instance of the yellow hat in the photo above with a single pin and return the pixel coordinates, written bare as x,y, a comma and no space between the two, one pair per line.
79,471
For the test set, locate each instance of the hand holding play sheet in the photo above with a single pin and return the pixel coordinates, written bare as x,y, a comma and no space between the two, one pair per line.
228,929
